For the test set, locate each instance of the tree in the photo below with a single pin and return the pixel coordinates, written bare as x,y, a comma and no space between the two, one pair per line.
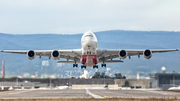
126,84
124,77
107,76
96,75
118,76
72,77
100,75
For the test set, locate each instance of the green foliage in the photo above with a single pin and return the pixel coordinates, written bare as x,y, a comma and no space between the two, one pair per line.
100,75
126,84
96,75
103,75
119,76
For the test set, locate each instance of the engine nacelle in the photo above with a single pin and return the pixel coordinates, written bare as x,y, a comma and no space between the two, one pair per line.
55,55
31,55
122,54
147,54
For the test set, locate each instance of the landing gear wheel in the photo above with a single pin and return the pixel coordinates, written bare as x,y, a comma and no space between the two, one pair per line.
96,66
103,65
83,67
75,65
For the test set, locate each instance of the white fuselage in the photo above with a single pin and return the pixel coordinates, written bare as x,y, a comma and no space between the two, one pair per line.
89,47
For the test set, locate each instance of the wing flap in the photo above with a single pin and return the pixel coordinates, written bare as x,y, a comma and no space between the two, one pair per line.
67,62
112,61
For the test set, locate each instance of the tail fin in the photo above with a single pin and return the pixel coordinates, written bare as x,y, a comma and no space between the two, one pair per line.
67,84
106,86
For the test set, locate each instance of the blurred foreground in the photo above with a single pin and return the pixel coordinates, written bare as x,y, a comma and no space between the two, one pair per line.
92,99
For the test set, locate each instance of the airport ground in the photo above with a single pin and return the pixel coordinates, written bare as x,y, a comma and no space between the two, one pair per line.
91,94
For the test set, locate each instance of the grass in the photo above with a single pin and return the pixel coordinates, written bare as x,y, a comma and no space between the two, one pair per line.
92,99
3,90
173,90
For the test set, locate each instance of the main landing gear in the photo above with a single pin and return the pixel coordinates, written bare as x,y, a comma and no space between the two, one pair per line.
75,65
83,67
103,65
95,66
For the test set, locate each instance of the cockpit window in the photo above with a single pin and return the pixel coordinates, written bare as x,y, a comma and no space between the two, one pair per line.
88,36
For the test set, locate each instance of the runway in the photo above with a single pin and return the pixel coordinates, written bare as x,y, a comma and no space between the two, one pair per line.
89,93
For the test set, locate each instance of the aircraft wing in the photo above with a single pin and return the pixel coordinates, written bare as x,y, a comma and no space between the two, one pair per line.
74,54
105,54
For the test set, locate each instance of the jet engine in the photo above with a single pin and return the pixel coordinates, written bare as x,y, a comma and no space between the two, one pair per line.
147,54
55,55
31,55
122,54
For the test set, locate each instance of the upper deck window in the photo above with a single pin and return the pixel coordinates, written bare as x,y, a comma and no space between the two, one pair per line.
88,36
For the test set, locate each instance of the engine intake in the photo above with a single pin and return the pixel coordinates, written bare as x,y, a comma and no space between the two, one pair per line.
31,55
147,54
55,55
122,54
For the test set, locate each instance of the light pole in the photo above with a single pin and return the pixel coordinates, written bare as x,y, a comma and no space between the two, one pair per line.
173,78
50,82
17,81
104,78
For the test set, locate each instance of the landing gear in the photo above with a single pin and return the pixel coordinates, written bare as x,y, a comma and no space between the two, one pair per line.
83,67
103,65
95,66
75,65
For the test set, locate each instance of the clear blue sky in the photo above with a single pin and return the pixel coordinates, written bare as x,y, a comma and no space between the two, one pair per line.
78,16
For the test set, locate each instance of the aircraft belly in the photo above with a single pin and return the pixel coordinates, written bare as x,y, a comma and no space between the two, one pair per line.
89,60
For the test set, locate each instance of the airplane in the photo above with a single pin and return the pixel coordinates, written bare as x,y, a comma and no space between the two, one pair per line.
89,55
